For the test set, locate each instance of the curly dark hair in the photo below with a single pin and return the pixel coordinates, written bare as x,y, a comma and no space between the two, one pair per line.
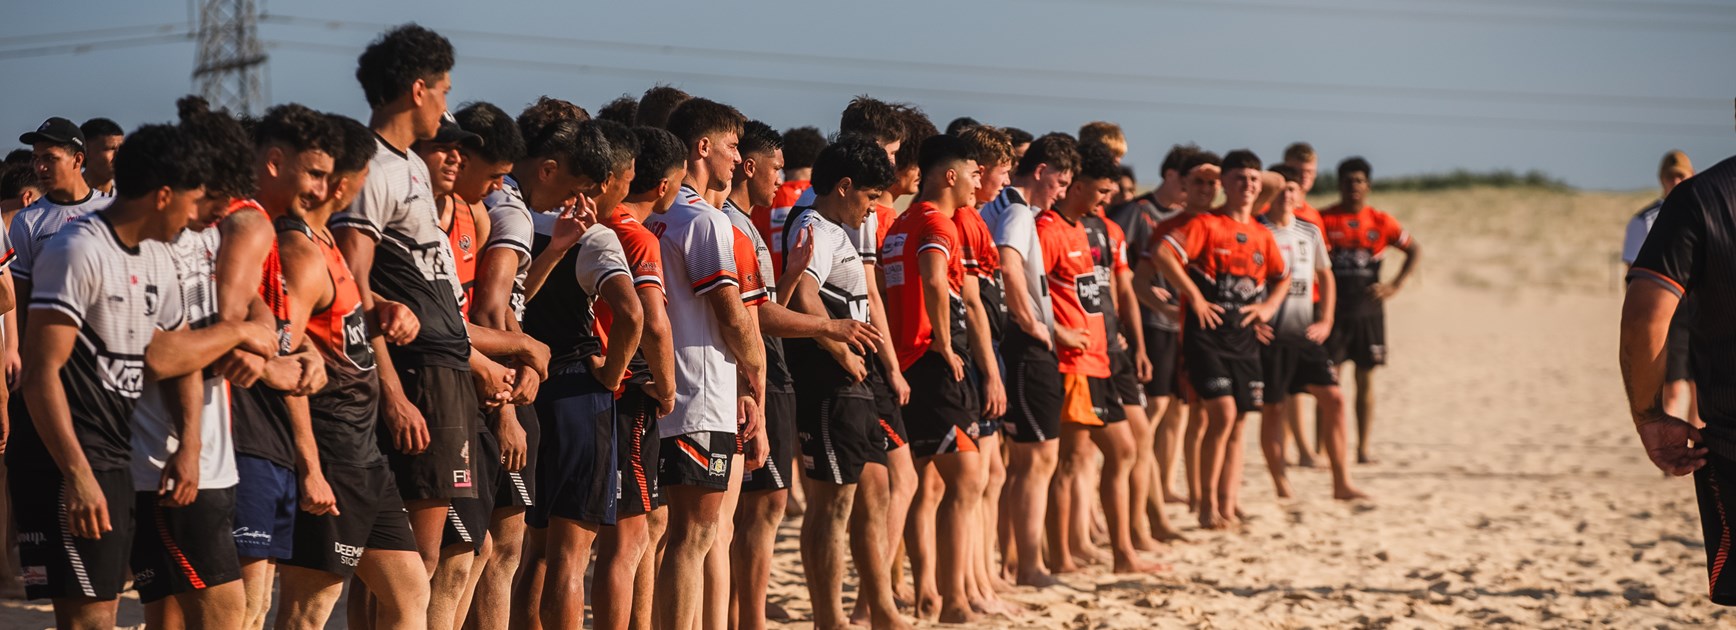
501,141
1177,157
624,110
298,128
758,138
536,118
156,156
874,118
917,129
623,144
1355,164
960,124
857,157
99,127
13,179
400,57
1019,136
659,152
802,145
356,144
1097,161
226,146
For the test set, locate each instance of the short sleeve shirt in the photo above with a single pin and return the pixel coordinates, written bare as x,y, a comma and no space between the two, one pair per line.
1637,229
511,227
923,228
1304,251
1073,289
770,220
33,225
1358,242
1014,226
699,257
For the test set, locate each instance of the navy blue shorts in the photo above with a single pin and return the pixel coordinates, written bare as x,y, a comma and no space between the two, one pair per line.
266,500
576,463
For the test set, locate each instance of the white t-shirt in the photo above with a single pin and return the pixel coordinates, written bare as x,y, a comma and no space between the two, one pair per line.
1014,225
156,432
1304,249
36,223
698,245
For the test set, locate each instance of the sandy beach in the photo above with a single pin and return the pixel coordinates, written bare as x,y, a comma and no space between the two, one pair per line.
1510,491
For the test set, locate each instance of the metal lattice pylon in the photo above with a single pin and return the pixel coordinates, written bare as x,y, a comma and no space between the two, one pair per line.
228,71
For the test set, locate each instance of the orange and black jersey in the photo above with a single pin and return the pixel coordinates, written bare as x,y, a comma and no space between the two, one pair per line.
344,413
1234,264
645,263
466,248
1073,288
1357,243
260,419
770,221
922,228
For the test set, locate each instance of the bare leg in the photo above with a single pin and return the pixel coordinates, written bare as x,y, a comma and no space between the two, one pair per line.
214,608
446,589
492,607
1074,457
717,572
693,516
401,592
1171,417
467,599
1337,451
1230,481
1364,413
257,575
306,598
620,549
995,476
645,579
824,532
527,583
756,525
920,539
1272,439
1142,477
1117,443
1293,418
867,515
963,485
566,553
1028,473
1192,450
1220,415
902,483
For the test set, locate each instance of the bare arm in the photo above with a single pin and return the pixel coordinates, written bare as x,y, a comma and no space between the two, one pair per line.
1645,323
409,428
982,349
1413,252
52,334
624,330
247,239
740,336
491,299
1127,308
779,321
179,485
804,297
931,265
877,316
657,346
307,282
175,353
8,301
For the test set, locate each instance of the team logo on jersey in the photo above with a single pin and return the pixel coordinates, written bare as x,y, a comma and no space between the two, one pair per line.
1373,235
152,299
894,246
1259,259
1352,223
464,243
122,376
1241,237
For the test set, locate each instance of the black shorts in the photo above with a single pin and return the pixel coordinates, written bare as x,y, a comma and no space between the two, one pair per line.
702,459
576,470
56,564
467,518
1715,489
781,437
1678,365
1033,381
1291,367
1358,339
370,515
266,500
1163,349
636,453
943,413
447,400
888,414
839,435
1124,379
1105,402
517,488
985,426
180,550
1216,374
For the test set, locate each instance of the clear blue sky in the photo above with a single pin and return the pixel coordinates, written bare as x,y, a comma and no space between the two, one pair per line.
1593,91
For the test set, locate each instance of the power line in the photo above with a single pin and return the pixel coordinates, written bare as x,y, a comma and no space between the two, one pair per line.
95,32
1125,104
80,48
1462,94
1605,5
1412,14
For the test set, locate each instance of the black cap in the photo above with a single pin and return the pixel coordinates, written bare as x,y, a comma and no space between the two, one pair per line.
56,130
451,133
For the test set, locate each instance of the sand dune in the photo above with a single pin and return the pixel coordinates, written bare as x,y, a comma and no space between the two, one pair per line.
1511,491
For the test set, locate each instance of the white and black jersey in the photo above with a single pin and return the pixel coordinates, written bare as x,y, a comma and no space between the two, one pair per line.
777,370
836,268
413,262
155,427
561,314
1014,225
118,296
510,226
36,223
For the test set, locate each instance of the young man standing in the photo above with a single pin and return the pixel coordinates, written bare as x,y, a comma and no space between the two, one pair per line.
1294,360
57,154
835,405
720,362
102,138
1359,237
1232,278
1034,392
107,283
364,531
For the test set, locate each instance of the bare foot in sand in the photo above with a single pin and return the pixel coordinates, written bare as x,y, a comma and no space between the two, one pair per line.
1147,543
1349,493
928,608
1305,460
1089,555
957,615
1210,520
1282,484
1132,565
1171,497
1038,580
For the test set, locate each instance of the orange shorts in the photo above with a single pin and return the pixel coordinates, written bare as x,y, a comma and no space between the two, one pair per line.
1076,405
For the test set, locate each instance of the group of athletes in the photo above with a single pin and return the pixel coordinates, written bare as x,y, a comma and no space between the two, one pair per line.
447,357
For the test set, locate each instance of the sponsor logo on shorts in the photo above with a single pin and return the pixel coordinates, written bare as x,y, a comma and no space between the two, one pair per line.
1378,353
1218,385
36,576
719,465
145,577
461,476
32,538
1257,391
249,535
350,555
807,462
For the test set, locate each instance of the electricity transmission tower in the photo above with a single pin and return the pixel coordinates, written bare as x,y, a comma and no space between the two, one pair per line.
228,69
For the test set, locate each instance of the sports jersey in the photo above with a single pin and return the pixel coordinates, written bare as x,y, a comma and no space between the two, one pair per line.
699,257
1073,289
777,370
644,258
1232,263
34,224
1307,213
770,220
509,226
155,427
842,284
1108,257
1358,242
343,414
1304,250
561,314
413,262
982,261
260,417
117,296
1014,225
1690,252
1637,229
922,228
466,252
1139,220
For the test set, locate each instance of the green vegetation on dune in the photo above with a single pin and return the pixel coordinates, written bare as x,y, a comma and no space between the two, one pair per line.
1458,179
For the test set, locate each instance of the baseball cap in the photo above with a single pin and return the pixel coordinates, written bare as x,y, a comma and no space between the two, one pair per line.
1676,163
56,130
451,133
